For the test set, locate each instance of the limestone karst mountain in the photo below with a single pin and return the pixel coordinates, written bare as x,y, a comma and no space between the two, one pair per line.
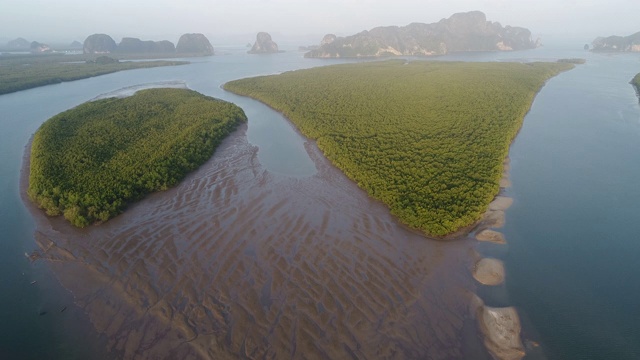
468,31
264,44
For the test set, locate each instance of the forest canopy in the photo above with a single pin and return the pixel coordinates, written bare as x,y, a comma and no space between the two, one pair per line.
426,138
89,162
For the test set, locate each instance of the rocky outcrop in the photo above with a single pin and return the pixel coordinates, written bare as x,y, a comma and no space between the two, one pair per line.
616,43
461,32
136,46
99,44
194,44
38,48
328,39
18,44
264,44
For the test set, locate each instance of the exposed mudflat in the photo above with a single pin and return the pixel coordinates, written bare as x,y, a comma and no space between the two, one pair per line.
238,262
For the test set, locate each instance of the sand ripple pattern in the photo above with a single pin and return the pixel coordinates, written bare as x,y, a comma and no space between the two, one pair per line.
237,262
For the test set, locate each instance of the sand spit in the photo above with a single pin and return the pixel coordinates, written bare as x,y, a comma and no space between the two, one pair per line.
238,262
489,271
491,236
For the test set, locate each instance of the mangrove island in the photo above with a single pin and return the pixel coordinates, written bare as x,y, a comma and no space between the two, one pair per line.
89,162
426,138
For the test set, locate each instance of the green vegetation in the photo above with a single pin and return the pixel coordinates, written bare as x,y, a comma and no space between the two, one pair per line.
26,72
426,138
636,82
89,162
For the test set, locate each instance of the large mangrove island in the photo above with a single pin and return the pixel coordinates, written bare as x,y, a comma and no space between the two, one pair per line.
89,162
426,138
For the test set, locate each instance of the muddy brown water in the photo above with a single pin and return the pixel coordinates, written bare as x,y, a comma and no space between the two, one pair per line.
240,262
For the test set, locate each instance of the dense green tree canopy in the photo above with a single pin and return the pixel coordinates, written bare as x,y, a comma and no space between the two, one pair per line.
89,162
426,138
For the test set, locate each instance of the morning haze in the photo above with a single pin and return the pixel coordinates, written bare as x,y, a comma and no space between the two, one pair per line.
230,22
344,179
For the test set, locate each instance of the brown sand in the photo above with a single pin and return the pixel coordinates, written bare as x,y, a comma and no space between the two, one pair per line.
502,331
238,262
505,183
494,219
491,236
500,203
489,271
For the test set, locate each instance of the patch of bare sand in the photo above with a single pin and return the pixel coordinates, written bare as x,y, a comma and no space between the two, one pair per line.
489,271
494,219
491,236
500,203
501,329
503,333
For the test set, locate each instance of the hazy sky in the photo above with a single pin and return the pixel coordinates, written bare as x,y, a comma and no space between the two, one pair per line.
66,20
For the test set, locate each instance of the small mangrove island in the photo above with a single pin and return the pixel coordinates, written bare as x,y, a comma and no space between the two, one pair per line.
428,139
89,162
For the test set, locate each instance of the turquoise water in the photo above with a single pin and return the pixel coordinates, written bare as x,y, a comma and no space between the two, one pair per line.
572,244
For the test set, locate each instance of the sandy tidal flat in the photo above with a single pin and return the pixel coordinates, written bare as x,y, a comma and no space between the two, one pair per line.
239,262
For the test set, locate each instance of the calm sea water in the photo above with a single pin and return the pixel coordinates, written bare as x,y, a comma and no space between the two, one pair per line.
572,247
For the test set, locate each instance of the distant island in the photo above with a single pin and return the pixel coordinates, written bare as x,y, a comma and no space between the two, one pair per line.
426,138
264,45
22,72
468,31
616,43
192,44
40,65
19,44
23,45
38,48
90,162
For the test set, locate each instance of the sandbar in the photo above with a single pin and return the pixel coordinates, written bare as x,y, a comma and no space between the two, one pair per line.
491,236
489,271
501,327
